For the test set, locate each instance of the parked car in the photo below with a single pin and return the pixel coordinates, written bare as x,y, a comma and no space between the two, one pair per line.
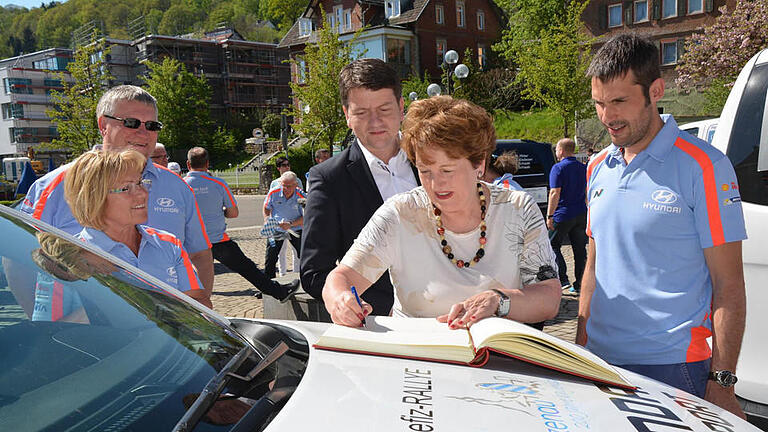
89,343
704,129
742,134
536,160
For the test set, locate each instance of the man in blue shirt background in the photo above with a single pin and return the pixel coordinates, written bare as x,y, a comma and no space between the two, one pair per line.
283,205
567,210
216,203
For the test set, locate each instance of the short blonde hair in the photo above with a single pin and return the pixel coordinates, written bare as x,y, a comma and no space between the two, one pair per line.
458,127
90,178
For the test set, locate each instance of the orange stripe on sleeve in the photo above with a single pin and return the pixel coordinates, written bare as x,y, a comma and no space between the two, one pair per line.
40,205
224,185
188,267
710,188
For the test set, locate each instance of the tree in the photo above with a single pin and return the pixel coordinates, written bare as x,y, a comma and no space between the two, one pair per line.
74,108
182,104
416,84
319,94
283,12
715,57
552,53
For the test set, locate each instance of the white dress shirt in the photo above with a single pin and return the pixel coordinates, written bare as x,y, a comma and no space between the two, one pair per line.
393,177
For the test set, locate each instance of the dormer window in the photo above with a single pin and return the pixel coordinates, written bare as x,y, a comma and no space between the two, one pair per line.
305,27
392,8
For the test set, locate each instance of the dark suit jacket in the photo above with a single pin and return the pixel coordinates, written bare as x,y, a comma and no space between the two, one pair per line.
343,197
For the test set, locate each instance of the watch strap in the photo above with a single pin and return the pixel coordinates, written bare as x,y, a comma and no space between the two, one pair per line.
503,309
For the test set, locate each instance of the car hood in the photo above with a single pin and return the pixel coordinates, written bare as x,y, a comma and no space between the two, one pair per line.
343,391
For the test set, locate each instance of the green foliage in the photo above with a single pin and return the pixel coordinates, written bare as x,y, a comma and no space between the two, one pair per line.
537,124
52,24
271,125
74,108
547,40
716,93
282,12
182,101
415,84
325,122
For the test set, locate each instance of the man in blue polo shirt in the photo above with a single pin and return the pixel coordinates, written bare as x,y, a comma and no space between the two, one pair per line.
664,267
127,119
567,210
216,203
282,204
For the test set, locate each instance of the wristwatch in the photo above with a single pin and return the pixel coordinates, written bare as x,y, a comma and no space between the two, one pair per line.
546,272
725,378
550,216
503,309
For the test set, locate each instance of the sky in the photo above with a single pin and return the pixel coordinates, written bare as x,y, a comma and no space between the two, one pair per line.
29,4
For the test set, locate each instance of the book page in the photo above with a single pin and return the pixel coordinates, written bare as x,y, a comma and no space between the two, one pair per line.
413,337
523,341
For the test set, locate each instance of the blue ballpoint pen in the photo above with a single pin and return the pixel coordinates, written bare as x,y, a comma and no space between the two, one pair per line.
359,302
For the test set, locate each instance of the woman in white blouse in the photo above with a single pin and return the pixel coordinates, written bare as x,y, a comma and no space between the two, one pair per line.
456,248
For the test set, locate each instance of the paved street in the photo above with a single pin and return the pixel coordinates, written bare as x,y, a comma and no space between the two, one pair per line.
233,295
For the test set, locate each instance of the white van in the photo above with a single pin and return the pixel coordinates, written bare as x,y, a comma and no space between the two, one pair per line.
742,134
704,129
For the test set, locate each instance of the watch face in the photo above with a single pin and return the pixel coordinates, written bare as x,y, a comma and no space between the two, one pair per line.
546,272
725,378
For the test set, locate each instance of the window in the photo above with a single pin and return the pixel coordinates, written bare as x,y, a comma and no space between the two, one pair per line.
614,15
339,12
398,51
669,8
305,27
669,53
17,85
482,53
440,50
480,20
12,110
641,11
695,6
347,20
301,70
52,63
460,21
392,8
52,84
331,21
439,14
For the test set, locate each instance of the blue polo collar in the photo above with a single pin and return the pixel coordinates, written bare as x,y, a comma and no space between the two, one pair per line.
661,144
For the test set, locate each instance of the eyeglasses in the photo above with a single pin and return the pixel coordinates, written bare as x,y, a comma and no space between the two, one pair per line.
162,156
131,188
134,123
285,164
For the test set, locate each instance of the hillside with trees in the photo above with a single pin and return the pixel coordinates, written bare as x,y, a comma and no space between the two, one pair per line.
52,23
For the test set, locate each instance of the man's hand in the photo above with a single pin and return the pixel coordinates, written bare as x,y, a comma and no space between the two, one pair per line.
550,224
723,397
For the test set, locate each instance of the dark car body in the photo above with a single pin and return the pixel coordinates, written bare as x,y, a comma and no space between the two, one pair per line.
536,160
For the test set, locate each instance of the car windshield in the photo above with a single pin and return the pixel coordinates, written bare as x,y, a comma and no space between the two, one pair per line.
88,344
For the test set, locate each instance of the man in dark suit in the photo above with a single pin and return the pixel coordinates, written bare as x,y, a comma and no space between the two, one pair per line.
348,188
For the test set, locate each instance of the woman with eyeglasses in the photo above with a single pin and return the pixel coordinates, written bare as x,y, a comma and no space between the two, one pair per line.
108,198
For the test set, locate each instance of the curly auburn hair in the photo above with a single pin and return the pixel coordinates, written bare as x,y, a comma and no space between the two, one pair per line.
456,126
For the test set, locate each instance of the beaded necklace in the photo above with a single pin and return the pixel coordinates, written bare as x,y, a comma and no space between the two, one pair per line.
444,243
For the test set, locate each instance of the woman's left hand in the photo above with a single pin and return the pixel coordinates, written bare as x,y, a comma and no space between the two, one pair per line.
471,310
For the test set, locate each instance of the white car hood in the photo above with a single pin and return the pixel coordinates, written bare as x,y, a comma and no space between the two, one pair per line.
352,392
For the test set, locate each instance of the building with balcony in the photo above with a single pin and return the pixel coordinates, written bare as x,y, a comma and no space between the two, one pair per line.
27,82
411,35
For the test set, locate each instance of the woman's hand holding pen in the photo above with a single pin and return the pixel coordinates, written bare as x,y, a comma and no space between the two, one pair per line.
345,309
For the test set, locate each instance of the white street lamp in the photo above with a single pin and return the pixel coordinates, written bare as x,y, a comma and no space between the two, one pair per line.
412,96
434,90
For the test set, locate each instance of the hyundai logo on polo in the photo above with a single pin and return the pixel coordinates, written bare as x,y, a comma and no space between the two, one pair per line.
171,271
664,196
165,202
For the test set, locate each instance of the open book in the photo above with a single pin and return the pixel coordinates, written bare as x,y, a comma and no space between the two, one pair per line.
427,339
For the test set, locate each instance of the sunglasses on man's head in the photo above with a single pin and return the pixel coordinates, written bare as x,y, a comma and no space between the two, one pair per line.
134,123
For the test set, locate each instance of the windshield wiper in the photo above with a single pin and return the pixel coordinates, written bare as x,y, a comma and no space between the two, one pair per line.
216,385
